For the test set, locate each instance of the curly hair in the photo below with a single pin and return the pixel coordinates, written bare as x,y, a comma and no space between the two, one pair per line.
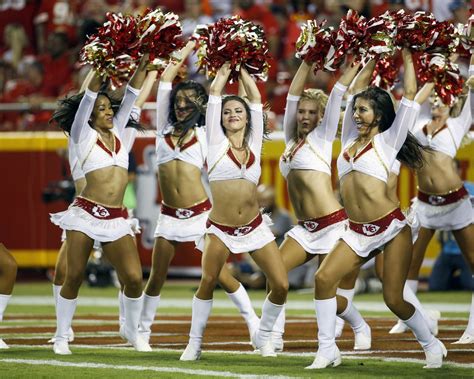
411,152
63,116
197,117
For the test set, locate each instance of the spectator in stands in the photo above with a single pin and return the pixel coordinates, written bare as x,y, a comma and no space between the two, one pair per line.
15,45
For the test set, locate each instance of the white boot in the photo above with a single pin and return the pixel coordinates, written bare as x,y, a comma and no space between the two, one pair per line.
400,326
121,309
132,308
261,340
434,348
468,335
241,300
328,354
150,306
200,315
56,292
4,299
431,317
65,309
349,295
362,332
279,330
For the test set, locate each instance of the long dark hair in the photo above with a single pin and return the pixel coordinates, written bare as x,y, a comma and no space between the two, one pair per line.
411,152
63,116
198,114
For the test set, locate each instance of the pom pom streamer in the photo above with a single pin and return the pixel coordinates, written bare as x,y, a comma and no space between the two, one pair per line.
315,45
234,40
351,35
443,73
385,74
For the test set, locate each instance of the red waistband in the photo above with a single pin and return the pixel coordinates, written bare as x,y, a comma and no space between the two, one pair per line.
446,199
378,226
185,213
237,231
99,211
315,224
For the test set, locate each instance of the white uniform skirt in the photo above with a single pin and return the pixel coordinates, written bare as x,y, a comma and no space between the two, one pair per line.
320,242
181,230
100,229
363,244
453,216
256,239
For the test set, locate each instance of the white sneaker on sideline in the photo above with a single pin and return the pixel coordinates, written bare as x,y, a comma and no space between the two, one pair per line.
399,328
190,353
465,339
277,341
61,348
363,339
3,345
321,362
434,358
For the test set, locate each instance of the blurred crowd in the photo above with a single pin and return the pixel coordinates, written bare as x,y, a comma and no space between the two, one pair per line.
39,51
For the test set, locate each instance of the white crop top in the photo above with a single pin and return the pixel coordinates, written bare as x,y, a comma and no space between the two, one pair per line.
314,152
221,162
396,167
193,152
378,156
447,138
91,152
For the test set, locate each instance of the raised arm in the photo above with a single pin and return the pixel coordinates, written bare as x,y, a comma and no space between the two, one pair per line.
256,111
409,75
328,128
362,80
424,93
174,65
80,128
146,88
214,133
131,93
87,80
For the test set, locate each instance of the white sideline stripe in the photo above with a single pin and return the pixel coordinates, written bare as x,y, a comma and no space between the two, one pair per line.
53,362
372,306
346,355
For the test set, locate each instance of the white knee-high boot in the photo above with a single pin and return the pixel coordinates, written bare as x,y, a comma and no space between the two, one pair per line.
362,332
400,326
121,310
132,308
3,305
200,314
261,339
328,354
468,335
56,292
150,306
349,295
65,309
241,300
279,330
430,317
434,348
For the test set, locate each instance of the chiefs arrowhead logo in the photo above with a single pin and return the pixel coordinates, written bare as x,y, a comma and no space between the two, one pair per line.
184,213
242,231
310,226
100,211
370,229
436,200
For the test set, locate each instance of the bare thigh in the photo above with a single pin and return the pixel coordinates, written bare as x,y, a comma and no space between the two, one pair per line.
419,249
465,240
8,269
163,253
293,254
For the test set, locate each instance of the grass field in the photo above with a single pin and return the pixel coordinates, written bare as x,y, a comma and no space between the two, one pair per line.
99,352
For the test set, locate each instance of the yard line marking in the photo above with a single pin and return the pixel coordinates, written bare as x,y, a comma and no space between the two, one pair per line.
53,362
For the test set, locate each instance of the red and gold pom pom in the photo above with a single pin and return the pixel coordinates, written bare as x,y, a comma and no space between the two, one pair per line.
159,33
351,35
443,73
315,45
385,74
110,51
237,41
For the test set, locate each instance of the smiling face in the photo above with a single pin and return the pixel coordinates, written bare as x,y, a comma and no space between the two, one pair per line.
364,116
307,117
234,116
184,104
439,113
102,114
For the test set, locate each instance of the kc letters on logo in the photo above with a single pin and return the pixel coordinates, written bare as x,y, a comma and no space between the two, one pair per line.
100,211
370,229
184,213
310,226
436,200
242,231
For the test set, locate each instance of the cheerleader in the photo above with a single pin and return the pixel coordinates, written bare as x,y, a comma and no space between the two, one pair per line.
97,134
181,151
310,125
235,225
373,136
8,268
442,202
